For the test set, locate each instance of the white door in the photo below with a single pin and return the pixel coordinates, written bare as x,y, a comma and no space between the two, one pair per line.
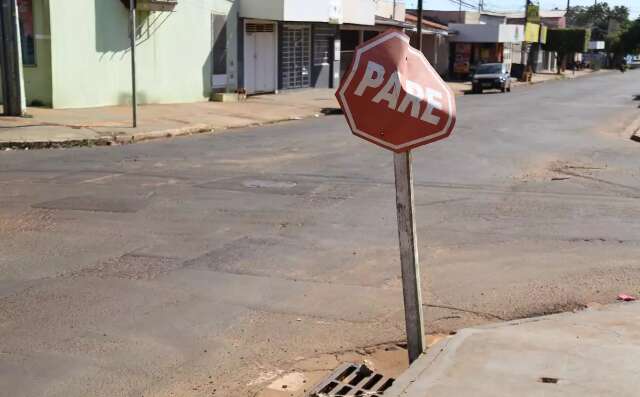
259,58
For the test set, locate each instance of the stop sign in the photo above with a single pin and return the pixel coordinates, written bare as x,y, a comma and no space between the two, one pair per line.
393,97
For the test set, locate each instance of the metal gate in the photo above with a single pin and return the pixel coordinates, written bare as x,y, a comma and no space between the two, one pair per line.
296,56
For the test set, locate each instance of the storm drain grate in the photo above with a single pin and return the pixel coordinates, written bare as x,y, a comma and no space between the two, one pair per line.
352,380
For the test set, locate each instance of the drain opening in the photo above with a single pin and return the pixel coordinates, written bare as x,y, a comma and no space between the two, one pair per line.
353,380
374,379
545,379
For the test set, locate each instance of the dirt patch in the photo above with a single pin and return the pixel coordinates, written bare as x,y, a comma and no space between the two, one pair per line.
37,220
131,267
557,170
389,359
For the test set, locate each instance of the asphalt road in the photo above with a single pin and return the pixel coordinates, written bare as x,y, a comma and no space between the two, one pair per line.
200,266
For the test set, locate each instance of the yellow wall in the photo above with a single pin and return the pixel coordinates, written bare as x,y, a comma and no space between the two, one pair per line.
532,32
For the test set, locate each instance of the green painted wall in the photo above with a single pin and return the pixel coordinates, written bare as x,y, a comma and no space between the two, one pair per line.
91,56
37,79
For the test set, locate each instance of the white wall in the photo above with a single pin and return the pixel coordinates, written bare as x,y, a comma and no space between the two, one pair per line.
474,33
262,9
360,12
492,19
385,8
511,33
307,11
479,33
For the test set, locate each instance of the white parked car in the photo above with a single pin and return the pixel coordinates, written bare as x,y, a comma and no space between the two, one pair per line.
491,75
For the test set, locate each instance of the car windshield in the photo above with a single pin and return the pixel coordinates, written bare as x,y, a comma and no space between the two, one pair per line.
490,68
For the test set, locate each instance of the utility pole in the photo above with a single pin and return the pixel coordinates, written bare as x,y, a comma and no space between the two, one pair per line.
419,41
568,5
11,59
460,12
481,5
524,55
134,101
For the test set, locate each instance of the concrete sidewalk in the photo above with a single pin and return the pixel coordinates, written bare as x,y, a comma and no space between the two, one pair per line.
107,125
112,124
464,87
595,352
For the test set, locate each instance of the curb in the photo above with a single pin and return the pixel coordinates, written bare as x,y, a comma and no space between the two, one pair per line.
145,136
22,145
633,130
141,136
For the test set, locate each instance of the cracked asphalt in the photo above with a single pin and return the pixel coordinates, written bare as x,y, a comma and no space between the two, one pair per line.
199,266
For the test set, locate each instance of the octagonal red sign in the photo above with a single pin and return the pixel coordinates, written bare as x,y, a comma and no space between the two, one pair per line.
393,97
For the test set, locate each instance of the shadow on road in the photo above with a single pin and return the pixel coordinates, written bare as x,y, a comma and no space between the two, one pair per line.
470,92
331,111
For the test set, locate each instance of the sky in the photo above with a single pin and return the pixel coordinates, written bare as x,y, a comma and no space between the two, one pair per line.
518,5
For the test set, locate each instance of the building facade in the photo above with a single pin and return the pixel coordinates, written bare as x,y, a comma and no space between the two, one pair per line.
297,44
535,36
474,44
463,17
78,55
555,19
435,42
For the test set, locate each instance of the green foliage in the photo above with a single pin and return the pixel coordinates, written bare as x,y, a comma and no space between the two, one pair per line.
630,38
626,40
601,19
567,41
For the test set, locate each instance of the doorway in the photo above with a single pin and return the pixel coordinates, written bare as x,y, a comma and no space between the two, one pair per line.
259,58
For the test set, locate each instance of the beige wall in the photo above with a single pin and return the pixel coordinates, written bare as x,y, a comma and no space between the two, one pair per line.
391,9
436,50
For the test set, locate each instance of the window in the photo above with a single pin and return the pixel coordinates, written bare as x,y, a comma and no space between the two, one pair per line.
27,39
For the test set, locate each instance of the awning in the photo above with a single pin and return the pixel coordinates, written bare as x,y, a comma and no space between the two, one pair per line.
428,27
393,23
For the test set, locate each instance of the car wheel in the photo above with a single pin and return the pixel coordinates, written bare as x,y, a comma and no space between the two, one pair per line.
509,88
503,89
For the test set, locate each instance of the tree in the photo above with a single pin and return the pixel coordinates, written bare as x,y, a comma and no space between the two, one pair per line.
630,38
598,18
567,41
626,40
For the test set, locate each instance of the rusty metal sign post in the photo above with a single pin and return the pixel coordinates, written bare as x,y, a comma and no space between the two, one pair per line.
392,97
